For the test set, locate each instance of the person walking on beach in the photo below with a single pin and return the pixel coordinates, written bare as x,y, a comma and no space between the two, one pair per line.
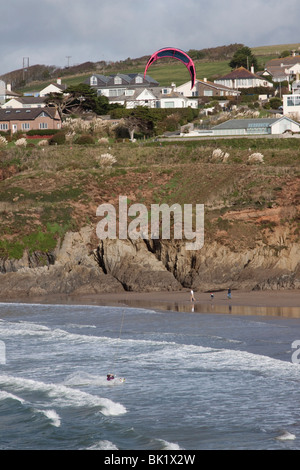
192,296
229,293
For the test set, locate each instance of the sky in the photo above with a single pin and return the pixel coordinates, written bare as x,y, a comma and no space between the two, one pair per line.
70,32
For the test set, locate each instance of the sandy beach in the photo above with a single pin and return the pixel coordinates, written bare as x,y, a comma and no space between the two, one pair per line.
290,298
279,303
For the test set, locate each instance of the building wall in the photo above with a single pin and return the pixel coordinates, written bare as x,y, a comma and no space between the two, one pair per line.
23,126
283,125
291,105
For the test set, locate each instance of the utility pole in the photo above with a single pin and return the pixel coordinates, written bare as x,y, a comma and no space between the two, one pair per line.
68,57
25,66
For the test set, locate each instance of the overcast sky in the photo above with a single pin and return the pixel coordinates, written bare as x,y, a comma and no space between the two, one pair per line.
48,31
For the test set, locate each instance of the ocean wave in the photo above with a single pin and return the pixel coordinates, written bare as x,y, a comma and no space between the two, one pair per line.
81,379
169,445
102,445
10,396
286,436
63,396
52,416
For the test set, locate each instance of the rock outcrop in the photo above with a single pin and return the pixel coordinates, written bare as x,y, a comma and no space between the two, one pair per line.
79,265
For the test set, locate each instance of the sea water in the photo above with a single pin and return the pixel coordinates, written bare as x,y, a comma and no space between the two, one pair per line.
192,380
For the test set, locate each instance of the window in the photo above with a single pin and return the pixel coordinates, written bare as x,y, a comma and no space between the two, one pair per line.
138,79
3,127
293,100
93,81
116,91
43,125
118,80
208,93
25,126
169,104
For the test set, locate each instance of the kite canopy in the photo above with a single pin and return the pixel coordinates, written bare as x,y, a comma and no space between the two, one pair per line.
176,54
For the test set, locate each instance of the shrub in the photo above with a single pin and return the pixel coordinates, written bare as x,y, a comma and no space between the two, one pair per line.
43,132
21,142
43,143
3,141
85,139
106,159
256,158
219,155
58,139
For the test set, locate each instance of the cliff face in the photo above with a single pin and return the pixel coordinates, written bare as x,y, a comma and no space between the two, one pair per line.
251,229
117,265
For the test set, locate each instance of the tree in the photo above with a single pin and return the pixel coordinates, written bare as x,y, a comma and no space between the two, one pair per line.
243,57
139,120
78,99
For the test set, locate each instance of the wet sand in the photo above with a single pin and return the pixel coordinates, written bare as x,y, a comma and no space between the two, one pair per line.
284,303
274,303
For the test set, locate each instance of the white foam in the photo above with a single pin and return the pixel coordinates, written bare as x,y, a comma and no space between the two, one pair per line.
6,395
63,396
52,416
286,436
103,445
169,445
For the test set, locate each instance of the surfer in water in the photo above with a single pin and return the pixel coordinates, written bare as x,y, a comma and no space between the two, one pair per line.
110,377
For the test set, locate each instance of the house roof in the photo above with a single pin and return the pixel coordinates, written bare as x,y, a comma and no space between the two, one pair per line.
30,99
247,123
218,86
284,61
240,72
252,123
26,114
126,79
155,92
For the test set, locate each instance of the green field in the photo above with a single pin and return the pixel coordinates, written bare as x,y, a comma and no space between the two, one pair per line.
172,71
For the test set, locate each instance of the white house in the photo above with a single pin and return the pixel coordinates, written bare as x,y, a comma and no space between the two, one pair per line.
154,98
249,127
118,84
242,78
283,69
25,102
291,105
53,88
205,88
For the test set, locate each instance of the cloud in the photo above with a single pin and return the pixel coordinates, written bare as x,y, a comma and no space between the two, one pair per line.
48,31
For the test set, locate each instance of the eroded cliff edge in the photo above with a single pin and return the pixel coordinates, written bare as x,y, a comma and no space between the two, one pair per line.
48,203
83,265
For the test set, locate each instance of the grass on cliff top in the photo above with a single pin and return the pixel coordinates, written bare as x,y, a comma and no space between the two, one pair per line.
44,193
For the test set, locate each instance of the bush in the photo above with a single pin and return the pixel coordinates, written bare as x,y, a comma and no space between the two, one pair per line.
3,141
22,142
58,139
43,132
85,139
256,158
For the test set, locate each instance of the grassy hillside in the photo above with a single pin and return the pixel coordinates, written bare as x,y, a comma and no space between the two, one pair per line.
45,192
214,64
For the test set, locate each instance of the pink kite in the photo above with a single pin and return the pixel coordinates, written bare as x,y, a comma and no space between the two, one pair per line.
176,54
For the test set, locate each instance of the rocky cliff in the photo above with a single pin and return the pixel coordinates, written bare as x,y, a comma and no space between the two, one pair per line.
77,266
48,203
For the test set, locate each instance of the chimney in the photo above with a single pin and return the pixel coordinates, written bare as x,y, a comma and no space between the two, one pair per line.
252,69
8,87
205,79
58,81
